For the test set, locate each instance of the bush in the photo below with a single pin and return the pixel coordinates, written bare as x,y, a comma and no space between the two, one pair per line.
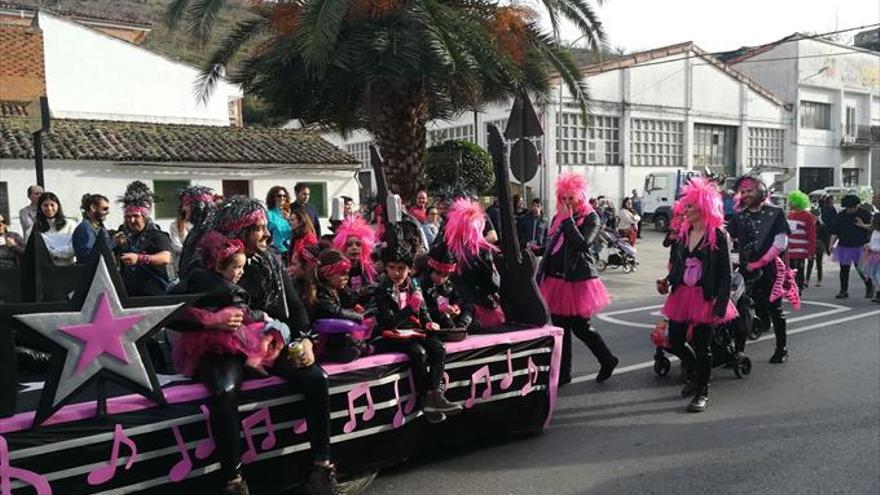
473,173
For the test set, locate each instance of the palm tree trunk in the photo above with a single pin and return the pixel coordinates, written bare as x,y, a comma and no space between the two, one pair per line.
398,116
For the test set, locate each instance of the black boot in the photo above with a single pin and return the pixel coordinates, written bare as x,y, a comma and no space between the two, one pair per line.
565,362
323,481
597,346
869,289
876,297
779,356
844,283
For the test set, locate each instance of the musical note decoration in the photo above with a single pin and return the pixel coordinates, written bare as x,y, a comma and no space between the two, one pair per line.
101,333
206,447
507,381
8,473
482,374
183,467
300,426
532,379
359,390
247,426
103,474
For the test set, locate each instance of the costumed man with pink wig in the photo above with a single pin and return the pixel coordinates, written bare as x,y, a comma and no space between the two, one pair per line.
698,285
568,277
475,274
761,232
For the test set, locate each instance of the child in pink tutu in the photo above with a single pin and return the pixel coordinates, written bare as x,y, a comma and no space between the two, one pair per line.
568,277
698,285
224,261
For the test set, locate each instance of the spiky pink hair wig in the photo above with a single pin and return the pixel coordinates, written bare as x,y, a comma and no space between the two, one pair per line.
463,232
702,194
355,226
571,184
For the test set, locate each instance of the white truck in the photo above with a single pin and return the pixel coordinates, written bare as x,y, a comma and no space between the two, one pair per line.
661,190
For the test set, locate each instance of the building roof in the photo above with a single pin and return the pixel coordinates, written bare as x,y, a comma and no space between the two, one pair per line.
173,145
638,58
13,108
85,17
746,52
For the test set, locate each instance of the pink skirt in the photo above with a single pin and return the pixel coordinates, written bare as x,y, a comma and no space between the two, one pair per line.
687,305
489,317
583,298
248,340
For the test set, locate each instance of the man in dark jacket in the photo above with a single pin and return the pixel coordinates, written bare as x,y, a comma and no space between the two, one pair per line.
303,193
532,227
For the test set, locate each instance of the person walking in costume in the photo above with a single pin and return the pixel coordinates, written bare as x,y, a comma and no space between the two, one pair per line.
144,250
870,263
761,232
849,234
698,285
802,242
569,280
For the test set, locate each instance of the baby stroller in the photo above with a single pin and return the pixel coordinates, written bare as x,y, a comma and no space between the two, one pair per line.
728,336
621,254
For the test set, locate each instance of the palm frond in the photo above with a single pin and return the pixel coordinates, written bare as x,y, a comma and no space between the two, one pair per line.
230,46
175,12
560,59
202,15
587,21
318,34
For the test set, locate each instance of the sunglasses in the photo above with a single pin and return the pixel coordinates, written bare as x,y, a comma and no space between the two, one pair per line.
280,195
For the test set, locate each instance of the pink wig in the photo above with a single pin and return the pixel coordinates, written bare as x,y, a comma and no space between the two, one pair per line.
355,226
463,232
702,194
217,248
571,184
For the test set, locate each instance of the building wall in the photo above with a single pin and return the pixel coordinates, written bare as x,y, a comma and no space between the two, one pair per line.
91,75
71,179
22,74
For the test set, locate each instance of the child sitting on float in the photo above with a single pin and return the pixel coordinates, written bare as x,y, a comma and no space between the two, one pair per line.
445,303
259,338
404,325
357,240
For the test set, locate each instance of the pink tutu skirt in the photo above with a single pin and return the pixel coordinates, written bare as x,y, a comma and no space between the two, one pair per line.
583,298
248,340
489,317
686,304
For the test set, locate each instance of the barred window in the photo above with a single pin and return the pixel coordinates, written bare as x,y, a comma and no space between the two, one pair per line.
465,132
361,151
577,144
766,146
657,143
815,115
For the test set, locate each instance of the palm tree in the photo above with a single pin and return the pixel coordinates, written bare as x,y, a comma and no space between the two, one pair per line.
390,66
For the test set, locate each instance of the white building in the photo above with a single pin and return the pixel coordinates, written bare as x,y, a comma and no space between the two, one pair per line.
661,110
834,91
121,112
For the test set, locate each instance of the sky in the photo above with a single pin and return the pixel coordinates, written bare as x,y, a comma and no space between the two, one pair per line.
723,25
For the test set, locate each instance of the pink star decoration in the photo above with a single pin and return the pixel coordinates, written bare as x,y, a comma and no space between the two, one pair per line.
102,335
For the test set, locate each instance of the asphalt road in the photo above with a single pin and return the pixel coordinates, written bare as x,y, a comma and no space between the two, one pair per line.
810,426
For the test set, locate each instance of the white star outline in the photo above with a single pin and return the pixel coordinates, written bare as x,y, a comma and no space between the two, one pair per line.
47,324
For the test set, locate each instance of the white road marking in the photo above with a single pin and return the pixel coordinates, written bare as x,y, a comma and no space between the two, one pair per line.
815,326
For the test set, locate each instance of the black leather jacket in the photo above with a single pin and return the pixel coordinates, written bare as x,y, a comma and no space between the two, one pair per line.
479,282
329,305
432,292
716,269
389,316
575,261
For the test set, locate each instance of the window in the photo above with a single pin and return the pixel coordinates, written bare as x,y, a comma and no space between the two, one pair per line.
166,197
4,202
815,115
598,143
715,148
850,177
657,143
850,126
766,147
361,151
438,136
236,188
318,197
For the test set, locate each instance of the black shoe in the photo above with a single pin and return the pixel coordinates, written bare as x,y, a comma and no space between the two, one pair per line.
236,486
842,295
607,369
869,291
323,481
779,357
689,389
698,403
434,417
876,298
435,402
564,379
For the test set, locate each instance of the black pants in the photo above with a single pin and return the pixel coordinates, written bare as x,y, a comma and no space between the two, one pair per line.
798,266
427,359
223,375
696,355
844,278
817,258
582,329
770,312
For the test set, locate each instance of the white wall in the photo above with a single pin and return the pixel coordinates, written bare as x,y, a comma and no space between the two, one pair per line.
71,179
90,75
775,69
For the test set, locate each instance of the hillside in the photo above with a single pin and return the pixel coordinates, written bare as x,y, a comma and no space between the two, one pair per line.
174,44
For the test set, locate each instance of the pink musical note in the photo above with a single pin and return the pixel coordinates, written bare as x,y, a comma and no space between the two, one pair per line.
507,381
399,417
481,374
184,465
413,395
362,389
300,426
533,379
247,424
445,381
9,473
206,447
104,474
